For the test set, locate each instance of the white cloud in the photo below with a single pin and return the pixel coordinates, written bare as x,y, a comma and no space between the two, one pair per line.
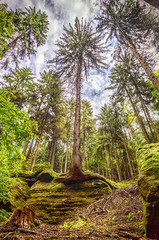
63,12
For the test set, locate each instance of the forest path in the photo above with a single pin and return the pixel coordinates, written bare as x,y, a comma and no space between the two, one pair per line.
117,216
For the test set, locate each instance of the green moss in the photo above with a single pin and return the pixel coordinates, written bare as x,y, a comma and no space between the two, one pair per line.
53,202
19,193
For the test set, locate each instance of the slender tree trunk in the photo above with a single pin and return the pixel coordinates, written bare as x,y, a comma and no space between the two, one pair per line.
117,162
37,148
66,160
131,133
50,152
25,147
142,61
106,164
53,155
128,157
138,118
83,157
111,163
30,149
154,3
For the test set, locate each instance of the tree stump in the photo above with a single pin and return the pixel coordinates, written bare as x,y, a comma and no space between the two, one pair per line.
22,217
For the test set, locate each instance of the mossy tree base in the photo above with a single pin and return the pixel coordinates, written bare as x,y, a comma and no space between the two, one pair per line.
81,177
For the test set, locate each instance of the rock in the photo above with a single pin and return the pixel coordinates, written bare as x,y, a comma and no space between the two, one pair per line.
54,202
148,185
19,191
45,176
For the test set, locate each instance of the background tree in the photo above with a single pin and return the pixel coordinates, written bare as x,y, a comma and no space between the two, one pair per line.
29,32
132,25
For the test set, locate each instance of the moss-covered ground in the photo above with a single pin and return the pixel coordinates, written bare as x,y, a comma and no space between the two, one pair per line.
114,216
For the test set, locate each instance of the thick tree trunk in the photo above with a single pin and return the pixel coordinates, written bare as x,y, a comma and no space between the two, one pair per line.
138,118
76,168
142,61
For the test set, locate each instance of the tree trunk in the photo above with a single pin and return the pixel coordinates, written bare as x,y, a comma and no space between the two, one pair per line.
111,163
76,168
131,133
128,157
30,149
138,118
154,3
83,157
117,163
25,147
142,61
37,148
52,162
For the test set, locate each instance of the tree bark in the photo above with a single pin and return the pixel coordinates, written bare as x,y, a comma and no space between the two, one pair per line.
117,163
142,61
52,160
37,148
76,168
128,157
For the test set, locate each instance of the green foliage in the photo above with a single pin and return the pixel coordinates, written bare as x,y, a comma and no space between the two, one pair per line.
148,157
79,45
6,28
75,224
21,32
15,129
4,215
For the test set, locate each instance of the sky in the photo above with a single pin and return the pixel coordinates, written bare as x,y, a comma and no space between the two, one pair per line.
63,12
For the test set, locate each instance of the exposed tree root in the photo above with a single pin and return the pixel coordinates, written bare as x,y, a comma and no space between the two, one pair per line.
129,235
81,177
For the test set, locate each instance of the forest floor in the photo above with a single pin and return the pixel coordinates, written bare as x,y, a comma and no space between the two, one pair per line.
117,216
